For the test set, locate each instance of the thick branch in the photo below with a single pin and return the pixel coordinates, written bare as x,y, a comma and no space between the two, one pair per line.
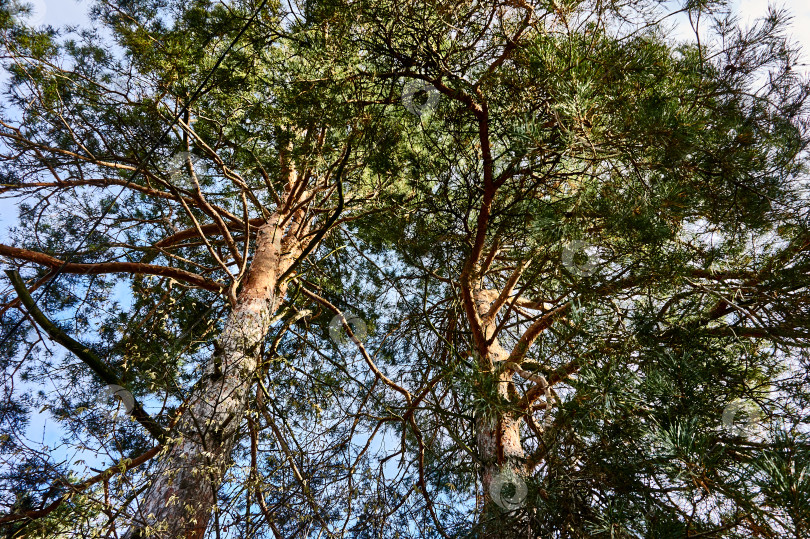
331,221
507,290
84,353
534,331
211,228
538,390
110,267
121,467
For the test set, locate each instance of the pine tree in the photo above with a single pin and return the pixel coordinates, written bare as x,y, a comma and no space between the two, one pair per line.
420,269
201,168
612,232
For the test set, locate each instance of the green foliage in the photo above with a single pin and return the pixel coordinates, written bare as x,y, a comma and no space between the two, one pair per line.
679,167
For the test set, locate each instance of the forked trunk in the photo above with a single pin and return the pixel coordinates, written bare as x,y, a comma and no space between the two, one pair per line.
182,496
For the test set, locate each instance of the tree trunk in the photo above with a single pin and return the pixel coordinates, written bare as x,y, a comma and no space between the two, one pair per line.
498,439
503,473
182,496
501,451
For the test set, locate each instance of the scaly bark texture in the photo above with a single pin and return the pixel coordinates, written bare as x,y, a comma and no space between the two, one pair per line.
182,496
497,435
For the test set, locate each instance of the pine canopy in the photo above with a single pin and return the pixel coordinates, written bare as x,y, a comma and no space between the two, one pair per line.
389,269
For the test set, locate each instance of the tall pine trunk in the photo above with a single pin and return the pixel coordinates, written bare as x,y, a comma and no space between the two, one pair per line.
498,436
182,496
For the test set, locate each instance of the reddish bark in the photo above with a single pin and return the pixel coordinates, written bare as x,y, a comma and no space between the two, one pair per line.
182,496
133,268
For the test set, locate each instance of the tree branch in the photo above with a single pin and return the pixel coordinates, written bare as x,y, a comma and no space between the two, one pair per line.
84,353
111,267
121,467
